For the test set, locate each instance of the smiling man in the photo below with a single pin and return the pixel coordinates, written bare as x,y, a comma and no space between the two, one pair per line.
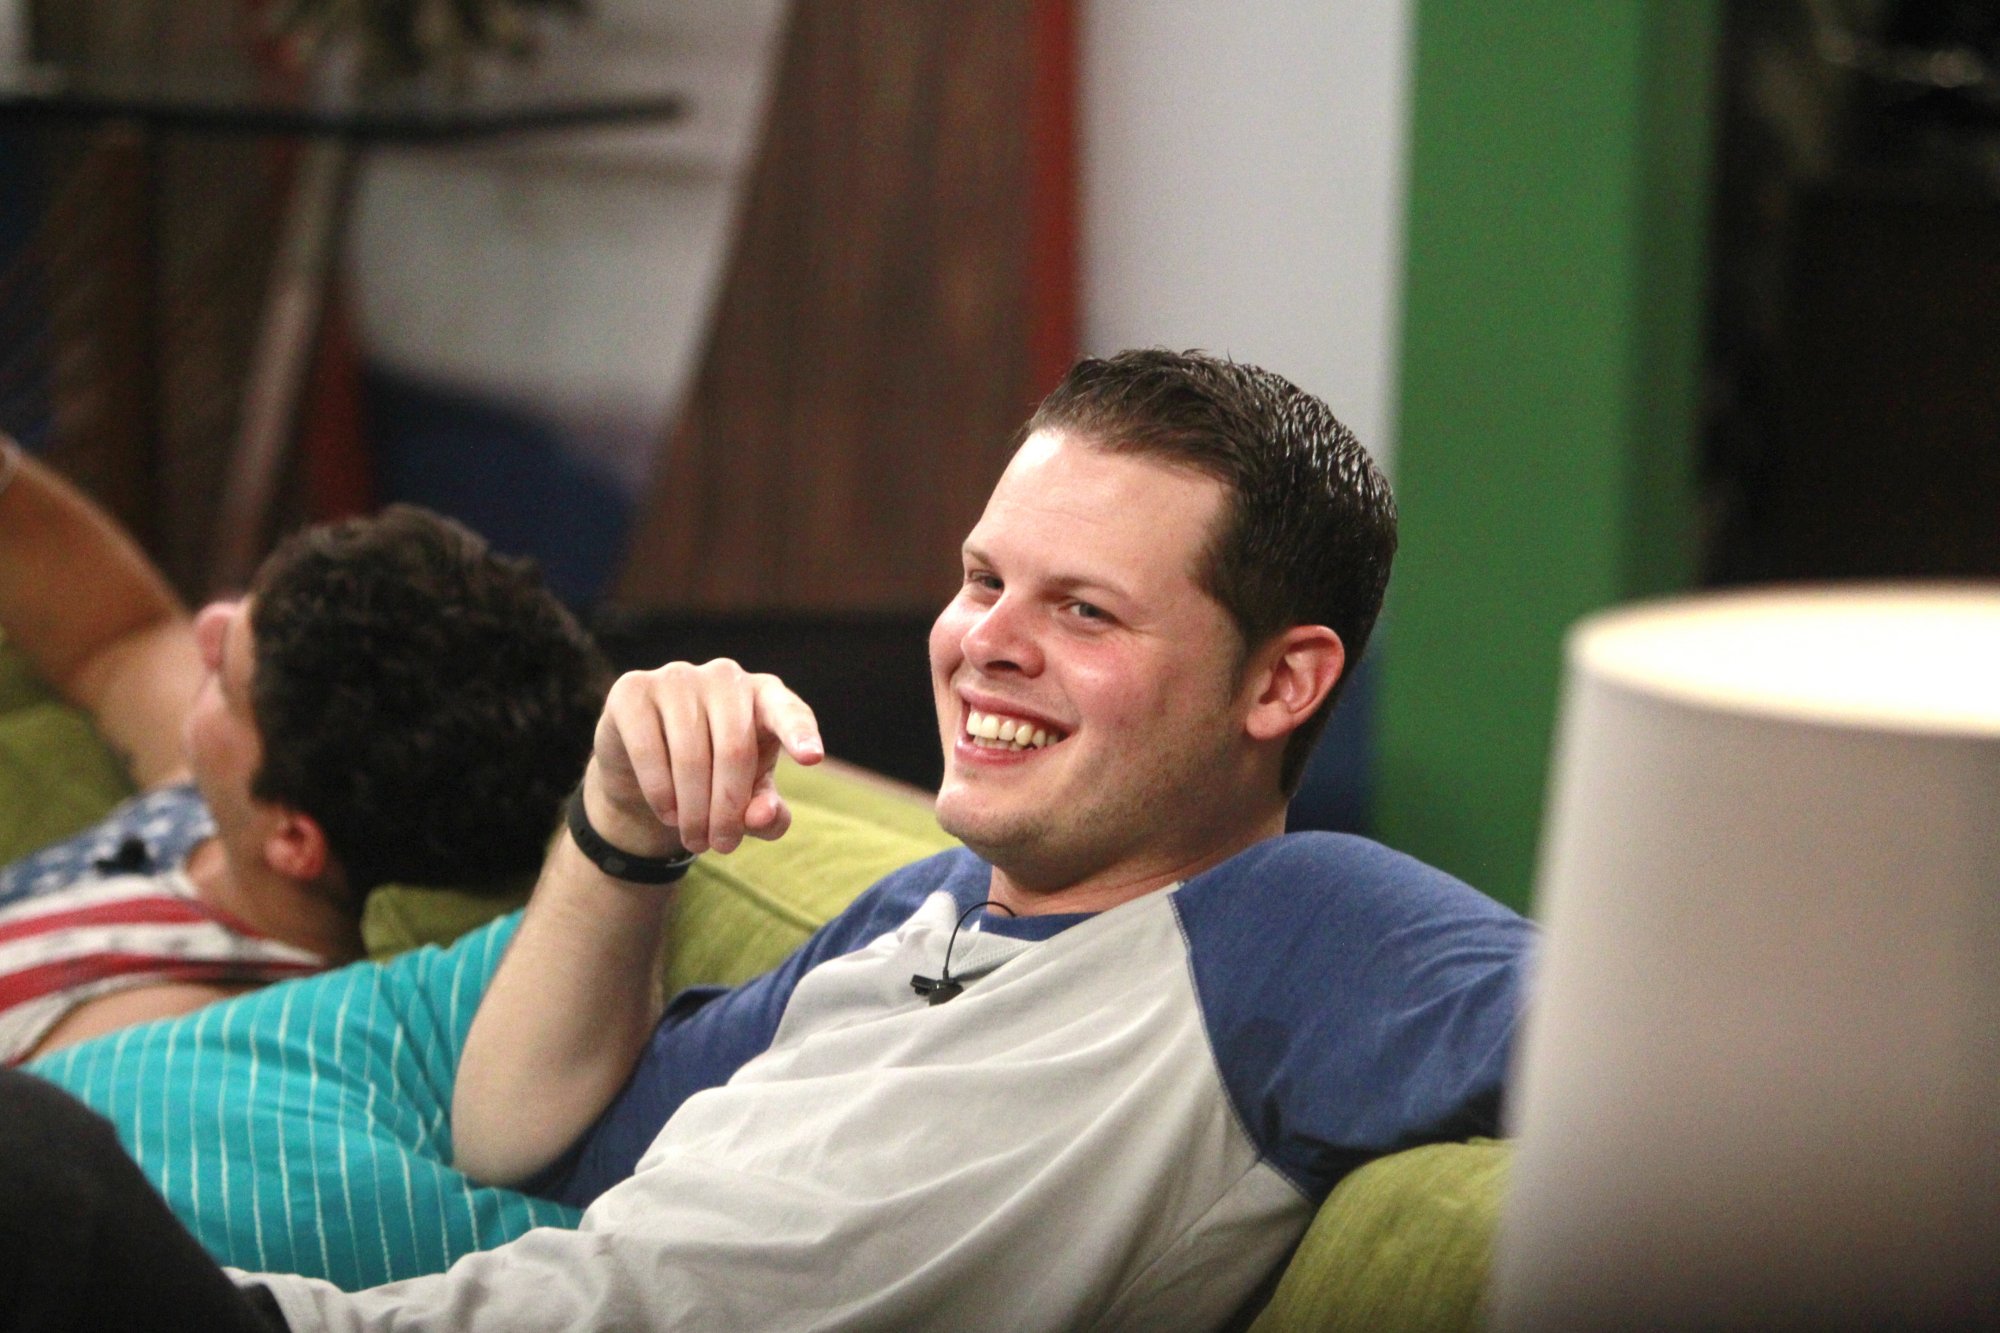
1097,1068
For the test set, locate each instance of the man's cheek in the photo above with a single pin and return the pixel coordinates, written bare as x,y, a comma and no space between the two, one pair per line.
947,633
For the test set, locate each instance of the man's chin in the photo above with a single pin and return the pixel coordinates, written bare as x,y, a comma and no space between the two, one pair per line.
987,831
953,817
1033,854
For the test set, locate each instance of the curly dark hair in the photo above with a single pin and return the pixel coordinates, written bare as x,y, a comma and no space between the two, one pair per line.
1310,531
425,699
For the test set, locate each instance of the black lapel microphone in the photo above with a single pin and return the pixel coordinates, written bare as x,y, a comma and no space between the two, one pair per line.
942,987
134,858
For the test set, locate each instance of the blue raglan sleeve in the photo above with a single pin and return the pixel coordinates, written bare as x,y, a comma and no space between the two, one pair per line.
1357,1001
709,1032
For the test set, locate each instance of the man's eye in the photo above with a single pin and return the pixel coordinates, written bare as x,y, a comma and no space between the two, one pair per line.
1085,611
979,578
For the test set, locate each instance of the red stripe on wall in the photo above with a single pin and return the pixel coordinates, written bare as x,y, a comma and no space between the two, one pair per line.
333,430
1052,193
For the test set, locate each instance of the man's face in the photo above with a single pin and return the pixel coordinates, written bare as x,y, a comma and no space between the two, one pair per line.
1080,630
223,746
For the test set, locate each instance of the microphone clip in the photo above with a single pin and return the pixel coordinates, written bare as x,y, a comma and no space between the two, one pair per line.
936,989
944,986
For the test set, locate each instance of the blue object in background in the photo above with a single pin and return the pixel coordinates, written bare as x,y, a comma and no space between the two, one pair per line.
502,472
1337,793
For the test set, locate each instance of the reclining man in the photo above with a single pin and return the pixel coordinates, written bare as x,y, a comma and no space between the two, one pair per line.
1098,1068
391,702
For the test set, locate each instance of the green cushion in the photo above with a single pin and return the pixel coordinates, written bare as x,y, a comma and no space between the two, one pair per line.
887,804
399,917
735,915
740,915
1404,1243
19,685
56,777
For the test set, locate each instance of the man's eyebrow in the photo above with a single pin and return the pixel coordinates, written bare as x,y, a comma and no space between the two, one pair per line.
1083,583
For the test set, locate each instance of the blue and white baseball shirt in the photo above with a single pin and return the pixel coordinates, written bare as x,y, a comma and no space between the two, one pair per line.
1126,1120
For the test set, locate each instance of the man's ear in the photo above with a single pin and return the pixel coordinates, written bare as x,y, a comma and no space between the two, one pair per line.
1291,678
295,845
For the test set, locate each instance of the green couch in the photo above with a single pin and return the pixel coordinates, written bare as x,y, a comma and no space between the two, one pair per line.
276,1095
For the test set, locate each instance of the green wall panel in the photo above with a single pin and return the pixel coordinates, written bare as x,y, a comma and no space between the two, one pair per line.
1557,208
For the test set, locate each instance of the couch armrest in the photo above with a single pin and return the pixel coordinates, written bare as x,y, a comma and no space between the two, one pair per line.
1404,1243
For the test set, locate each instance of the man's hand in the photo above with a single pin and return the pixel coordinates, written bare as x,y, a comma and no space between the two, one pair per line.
684,757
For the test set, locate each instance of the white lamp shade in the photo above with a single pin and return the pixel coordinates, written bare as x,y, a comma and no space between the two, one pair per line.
1760,1082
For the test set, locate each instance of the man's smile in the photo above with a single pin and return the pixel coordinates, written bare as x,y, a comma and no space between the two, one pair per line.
1000,729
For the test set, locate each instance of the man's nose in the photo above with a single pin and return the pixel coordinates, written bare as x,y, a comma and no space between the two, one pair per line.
1003,638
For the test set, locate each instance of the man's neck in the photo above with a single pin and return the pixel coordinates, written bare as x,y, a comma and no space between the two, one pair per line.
302,915
1130,879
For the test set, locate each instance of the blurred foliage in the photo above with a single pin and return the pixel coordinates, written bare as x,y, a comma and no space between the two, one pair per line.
395,38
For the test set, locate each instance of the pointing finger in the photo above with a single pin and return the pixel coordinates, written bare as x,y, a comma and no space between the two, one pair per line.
788,717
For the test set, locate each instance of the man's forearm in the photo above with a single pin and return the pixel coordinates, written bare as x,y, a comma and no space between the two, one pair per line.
683,758
72,582
563,1022
94,617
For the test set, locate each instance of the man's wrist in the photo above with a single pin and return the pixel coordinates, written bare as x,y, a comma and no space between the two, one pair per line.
645,863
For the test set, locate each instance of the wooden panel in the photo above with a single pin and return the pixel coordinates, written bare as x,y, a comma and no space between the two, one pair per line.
153,250
154,253
94,254
870,358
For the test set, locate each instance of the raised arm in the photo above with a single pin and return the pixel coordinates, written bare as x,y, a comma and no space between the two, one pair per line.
683,760
94,617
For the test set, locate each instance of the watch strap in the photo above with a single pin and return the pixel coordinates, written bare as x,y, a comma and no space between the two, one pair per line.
614,861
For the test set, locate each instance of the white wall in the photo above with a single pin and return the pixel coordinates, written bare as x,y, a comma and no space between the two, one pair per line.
1243,187
1242,191
573,273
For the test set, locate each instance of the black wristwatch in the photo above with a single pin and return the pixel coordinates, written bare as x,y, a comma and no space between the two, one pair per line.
616,863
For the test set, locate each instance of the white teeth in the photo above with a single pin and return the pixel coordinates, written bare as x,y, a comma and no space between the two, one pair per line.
1006,733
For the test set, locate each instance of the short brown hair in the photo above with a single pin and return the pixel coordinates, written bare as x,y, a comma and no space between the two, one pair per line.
1310,530
423,697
